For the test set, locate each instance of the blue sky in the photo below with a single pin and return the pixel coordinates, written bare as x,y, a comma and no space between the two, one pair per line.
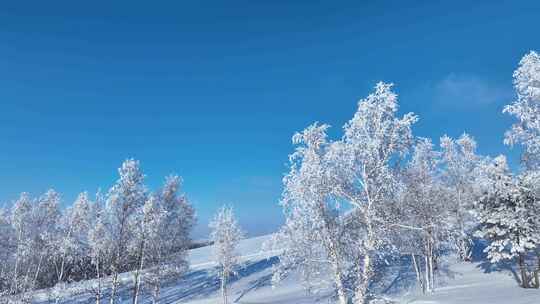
214,90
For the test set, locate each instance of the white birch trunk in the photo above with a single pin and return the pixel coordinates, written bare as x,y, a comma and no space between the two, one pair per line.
224,288
342,296
155,296
418,274
114,287
98,295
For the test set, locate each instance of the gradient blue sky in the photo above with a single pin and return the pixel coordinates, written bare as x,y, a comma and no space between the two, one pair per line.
214,90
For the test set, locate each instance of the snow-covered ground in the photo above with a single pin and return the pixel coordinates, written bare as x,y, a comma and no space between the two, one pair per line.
253,284
201,285
469,283
460,283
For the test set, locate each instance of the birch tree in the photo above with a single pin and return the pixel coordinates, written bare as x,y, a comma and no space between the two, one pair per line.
425,209
526,109
169,221
314,238
140,226
7,249
225,235
375,138
124,200
460,165
100,251
73,239
45,222
21,221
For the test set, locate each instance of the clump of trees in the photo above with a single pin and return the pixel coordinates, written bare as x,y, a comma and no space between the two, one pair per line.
127,229
380,192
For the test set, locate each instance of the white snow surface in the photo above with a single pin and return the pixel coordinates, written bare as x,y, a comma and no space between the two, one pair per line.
467,283
461,283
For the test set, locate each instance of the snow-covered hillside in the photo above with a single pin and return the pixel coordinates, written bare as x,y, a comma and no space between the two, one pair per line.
468,283
459,283
252,285
201,283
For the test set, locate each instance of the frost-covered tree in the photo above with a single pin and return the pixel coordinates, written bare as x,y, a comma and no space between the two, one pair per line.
22,223
100,245
34,224
530,181
459,172
526,108
140,225
314,239
507,213
225,235
169,219
7,246
72,244
150,236
526,132
424,210
124,201
45,222
375,138
179,218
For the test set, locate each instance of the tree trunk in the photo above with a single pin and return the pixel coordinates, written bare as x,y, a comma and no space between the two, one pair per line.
429,261
116,266
224,289
38,270
155,297
362,289
342,296
537,272
426,273
361,293
462,242
114,287
137,283
470,247
338,275
523,271
119,250
536,279
14,286
62,265
157,280
417,271
431,269
98,294
26,277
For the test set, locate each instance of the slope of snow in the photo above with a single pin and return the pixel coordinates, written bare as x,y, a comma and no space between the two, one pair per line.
458,283
469,283
201,285
252,285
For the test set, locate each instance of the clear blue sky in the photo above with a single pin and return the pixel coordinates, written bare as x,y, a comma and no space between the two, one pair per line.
214,90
